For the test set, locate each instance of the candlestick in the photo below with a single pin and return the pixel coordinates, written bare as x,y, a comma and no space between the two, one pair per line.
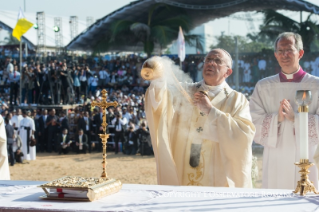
304,184
303,99
303,131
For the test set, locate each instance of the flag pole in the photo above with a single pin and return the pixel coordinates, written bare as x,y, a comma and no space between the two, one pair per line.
22,26
20,71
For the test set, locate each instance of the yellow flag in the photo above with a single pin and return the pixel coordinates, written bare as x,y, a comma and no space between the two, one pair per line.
22,26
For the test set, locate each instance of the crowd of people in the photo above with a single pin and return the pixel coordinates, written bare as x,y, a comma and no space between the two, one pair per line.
73,81
69,82
46,131
81,81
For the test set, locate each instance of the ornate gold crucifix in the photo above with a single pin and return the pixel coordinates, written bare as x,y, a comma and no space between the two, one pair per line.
104,104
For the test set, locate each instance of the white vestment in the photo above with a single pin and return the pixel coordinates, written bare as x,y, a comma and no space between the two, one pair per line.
262,64
4,165
247,72
27,122
16,120
281,142
225,136
247,75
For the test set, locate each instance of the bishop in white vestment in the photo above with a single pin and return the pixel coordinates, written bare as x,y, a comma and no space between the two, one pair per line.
27,124
275,115
4,165
207,143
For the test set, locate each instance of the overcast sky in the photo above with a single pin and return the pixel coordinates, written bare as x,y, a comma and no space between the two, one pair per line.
99,8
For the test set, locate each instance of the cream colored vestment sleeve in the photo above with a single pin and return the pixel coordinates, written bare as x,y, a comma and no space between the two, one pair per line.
4,166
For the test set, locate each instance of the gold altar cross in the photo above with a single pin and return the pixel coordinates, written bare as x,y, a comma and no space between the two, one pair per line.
104,104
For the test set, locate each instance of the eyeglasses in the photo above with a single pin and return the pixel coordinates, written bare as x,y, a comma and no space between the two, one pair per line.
218,61
283,51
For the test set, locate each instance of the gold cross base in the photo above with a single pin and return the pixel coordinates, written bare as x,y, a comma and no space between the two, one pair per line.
104,138
305,185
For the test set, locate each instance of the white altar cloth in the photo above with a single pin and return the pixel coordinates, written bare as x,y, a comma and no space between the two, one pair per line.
24,196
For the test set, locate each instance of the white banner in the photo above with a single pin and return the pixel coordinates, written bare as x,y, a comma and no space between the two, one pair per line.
181,45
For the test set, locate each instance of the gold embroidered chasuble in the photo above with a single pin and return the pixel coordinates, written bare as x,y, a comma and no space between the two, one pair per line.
225,135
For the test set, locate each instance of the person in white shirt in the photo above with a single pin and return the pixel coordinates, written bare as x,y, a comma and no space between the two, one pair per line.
64,142
84,81
119,134
9,69
14,78
247,73
7,52
16,118
126,115
103,75
113,81
81,142
262,67
93,83
241,69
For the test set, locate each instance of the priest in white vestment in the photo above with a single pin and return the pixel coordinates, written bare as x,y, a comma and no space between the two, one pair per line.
27,127
4,165
16,118
275,115
199,139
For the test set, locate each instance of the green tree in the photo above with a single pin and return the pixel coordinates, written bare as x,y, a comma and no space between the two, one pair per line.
260,38
10,40
315,44
276,23
160,28
245,45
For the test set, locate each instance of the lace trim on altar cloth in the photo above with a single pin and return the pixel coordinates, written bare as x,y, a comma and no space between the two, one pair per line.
265,129
312,132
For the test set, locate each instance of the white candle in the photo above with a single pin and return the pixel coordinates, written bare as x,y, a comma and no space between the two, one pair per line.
303,126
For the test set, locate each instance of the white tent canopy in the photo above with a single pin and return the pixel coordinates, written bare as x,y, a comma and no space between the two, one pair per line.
8,20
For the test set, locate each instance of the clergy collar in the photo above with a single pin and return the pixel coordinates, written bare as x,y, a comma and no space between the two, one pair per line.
213,88
290,76
294,77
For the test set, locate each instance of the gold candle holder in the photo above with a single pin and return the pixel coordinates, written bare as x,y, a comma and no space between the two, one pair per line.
305,185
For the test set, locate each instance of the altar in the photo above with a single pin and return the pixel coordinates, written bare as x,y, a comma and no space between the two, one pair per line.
24,196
